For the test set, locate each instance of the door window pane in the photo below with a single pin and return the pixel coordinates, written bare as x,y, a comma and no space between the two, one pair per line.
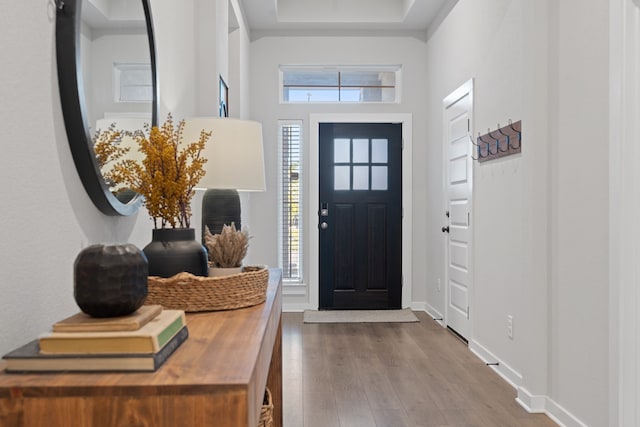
360,151
361,177
379,178
341,179
379,151
341,150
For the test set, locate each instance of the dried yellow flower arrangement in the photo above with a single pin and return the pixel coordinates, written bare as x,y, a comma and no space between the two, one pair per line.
168,173
227,249
107,145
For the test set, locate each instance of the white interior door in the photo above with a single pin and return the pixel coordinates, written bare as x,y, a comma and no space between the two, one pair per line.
458,171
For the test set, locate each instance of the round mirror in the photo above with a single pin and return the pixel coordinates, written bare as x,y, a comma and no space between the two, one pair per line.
107,76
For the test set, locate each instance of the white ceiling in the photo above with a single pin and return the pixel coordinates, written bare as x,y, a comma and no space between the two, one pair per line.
357,17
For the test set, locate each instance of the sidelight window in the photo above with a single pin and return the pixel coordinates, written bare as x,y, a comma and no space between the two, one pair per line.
290,198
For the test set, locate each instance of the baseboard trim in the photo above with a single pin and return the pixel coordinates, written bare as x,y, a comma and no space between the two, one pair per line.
545,405
418,306
295,307
561,416
534,404
435,314
507,373
530,402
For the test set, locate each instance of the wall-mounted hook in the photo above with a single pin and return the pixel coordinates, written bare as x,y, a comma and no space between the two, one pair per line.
496,140
58,4
506,137
519,132
481,139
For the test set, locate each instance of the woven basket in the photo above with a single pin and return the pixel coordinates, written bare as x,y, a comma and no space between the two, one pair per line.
266,414
190,293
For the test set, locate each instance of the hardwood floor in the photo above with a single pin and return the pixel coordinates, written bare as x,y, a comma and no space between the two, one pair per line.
392,375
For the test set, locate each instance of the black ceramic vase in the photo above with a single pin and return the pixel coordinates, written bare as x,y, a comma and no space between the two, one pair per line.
174,250
110,279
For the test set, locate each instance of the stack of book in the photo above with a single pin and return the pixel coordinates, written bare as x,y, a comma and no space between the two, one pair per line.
142,341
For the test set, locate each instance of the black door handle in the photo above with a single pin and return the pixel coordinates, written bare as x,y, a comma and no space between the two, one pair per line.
445,229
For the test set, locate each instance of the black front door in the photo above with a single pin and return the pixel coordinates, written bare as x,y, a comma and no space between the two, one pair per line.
360,217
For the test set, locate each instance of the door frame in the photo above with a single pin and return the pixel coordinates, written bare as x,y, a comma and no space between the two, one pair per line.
314,188
465,89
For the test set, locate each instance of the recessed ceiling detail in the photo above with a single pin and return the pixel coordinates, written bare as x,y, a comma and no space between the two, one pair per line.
345,11
274,17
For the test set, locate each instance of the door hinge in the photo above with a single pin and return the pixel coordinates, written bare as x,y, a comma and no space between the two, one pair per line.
467,312
402,281
402,212
403,143
468,125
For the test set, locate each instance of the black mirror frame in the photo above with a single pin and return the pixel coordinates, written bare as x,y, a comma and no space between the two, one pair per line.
72,98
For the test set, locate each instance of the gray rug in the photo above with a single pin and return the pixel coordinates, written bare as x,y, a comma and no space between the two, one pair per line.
359,316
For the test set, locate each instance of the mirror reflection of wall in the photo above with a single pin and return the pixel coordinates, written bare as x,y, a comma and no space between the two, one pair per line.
116,63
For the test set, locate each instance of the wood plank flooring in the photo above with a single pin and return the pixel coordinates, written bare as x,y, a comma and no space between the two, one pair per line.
391,375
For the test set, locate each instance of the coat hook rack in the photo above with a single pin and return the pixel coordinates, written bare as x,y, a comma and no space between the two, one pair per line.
501,142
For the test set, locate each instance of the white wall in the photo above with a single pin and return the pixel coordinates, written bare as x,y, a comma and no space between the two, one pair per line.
47,217
106,50
624,184
540,255
270,52
579,228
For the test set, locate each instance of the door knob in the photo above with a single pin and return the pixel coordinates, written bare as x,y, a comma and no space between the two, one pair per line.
445,229
324,225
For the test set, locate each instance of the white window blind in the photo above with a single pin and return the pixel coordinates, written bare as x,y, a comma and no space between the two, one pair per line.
290,198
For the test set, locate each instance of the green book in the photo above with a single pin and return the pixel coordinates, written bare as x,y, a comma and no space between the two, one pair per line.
28,358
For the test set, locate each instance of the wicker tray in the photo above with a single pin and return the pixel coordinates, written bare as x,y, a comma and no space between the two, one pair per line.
190,293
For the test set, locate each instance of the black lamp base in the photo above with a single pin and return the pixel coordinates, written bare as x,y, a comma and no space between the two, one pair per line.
219,208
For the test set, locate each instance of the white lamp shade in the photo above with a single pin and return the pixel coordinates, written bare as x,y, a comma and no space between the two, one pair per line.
234,152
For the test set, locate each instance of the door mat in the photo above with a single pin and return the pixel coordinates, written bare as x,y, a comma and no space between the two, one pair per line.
359,316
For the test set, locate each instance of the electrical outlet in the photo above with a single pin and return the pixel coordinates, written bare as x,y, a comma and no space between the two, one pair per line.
510,326
438,284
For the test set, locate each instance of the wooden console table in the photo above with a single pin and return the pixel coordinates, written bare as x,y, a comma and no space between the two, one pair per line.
216,378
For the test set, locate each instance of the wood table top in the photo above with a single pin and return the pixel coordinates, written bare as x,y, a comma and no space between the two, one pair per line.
225,351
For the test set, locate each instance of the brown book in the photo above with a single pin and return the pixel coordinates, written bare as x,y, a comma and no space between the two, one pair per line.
81,322
148,339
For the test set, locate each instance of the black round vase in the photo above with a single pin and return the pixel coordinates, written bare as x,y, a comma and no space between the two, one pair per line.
110,279
174,250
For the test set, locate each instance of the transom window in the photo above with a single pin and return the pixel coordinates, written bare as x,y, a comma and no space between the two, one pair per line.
339,84
133,82
360,164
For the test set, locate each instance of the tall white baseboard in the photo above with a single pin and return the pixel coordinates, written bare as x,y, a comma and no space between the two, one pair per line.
530,402
561,416
505,371
546,405
435,314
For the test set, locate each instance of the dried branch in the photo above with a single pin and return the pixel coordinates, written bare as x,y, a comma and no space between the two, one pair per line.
227,249
168,174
